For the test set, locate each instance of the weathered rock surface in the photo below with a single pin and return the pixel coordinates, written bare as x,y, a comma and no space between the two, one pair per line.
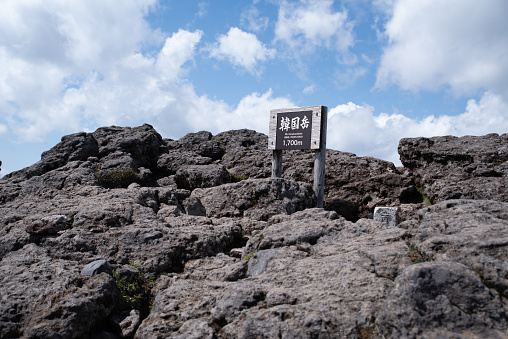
255,198
45,297
468,167
194,240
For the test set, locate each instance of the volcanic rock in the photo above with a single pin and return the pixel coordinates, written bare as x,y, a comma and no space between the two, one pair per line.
449,167
200,242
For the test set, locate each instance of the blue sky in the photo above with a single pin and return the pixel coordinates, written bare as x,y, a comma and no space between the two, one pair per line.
386,69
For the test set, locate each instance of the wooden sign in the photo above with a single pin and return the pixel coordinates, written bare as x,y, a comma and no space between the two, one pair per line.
300,128
295,128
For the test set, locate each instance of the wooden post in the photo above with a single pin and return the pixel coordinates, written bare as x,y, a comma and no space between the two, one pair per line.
277,164
319,162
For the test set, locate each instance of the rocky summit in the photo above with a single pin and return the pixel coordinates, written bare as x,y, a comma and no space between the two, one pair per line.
121,233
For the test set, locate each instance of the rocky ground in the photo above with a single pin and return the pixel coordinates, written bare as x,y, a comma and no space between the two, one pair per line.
120,233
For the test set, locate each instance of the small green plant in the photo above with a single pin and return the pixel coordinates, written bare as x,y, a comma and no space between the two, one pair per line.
115,178
238,178
369,332
135,293
416,256
426,200
250,255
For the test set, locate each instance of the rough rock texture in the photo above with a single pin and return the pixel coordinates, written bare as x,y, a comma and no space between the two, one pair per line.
353,185
468,167
45,297
255,198
194,240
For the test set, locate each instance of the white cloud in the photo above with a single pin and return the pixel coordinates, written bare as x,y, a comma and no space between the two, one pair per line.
251,20
53,53
177,50
241,49
459,44
305,25
252,112
98,76
355,128
346,78
203,8
309,89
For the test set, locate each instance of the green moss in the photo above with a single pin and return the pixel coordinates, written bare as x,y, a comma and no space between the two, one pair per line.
425,199
417,256
115,178
238,178
135,293
250,255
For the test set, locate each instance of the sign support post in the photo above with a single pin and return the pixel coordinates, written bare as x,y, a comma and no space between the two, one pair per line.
300,128
319,163
277,164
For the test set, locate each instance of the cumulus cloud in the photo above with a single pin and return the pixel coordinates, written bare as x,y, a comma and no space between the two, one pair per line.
457,44
252,112
177,50
241,49
305,25
48,49
357,129
75,66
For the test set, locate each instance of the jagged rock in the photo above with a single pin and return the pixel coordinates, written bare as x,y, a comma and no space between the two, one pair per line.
255,198
296,271
140,143
170,162
325,289
472,232
353,186
201,176
44,297
96,267
126,323
202,143
428,295
468,167
45,225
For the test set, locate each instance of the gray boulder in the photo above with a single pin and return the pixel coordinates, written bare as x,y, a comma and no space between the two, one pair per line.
471,232
449,167
97,267
428,295
201,176
169,163
254,198
44,297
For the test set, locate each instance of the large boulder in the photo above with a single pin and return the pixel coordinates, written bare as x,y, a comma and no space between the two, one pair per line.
472,232
428,295
74,147
254,198
45,297
202,176
469,167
